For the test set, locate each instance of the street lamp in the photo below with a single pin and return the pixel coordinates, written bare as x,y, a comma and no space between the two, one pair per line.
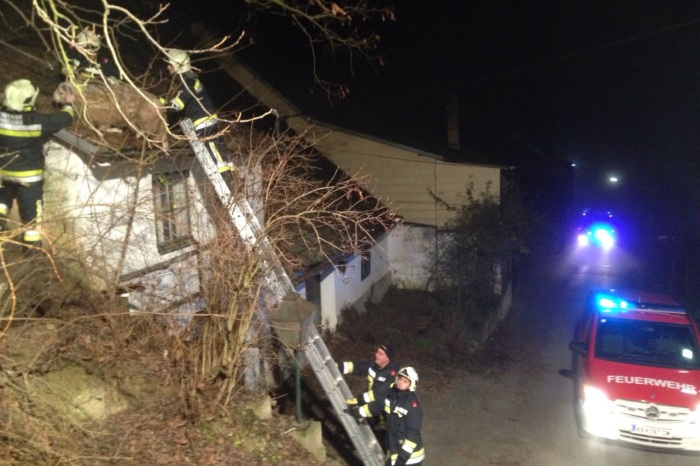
292,320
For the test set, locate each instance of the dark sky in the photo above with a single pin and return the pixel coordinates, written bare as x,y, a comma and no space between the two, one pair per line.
610,85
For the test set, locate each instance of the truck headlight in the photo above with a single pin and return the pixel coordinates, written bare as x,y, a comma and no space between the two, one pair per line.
594,395
596,407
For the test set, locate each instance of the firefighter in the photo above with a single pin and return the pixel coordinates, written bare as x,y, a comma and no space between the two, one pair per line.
380,373
23,132
192,100
89,61
404,417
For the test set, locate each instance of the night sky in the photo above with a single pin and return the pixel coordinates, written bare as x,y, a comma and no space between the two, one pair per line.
610,85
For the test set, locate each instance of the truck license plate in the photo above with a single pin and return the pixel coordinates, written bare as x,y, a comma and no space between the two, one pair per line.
651,431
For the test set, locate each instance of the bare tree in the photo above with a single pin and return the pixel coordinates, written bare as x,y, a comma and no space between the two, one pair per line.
311,215
345,28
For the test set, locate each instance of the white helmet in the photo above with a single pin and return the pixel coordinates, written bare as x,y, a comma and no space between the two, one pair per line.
179,59
88,40
411,374
20,95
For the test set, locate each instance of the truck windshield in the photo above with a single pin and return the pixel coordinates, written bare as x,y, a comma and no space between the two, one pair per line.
647,343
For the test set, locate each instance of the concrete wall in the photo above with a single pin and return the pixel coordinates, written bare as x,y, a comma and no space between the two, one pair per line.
103,214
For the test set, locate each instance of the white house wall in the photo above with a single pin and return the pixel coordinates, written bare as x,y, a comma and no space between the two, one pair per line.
94,217
412,252
342,290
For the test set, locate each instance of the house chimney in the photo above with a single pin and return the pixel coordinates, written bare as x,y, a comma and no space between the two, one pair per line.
452,111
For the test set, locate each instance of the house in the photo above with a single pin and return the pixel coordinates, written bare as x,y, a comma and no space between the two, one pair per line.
136,225
404,178
140,225
128,224
133,230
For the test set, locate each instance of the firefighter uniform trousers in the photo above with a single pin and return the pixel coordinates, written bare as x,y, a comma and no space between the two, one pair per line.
29,197
193,100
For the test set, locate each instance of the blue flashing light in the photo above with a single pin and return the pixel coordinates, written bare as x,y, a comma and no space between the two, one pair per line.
598,233
608,304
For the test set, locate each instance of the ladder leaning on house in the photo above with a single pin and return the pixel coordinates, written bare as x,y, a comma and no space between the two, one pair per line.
279,283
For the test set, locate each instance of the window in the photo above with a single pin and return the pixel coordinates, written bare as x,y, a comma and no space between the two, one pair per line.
366,266
171,201
646,343
342,267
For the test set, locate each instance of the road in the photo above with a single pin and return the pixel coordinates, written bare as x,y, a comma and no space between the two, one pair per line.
523,416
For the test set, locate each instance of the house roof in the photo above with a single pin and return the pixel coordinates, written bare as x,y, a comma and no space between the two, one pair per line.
411,124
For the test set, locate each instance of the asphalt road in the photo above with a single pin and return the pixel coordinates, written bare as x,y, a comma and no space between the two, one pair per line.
524,415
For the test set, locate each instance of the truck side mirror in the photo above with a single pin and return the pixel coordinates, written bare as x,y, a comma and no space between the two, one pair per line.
578,347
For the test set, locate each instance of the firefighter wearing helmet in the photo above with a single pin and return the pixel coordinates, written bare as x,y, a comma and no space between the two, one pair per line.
404,417
23,132
88,61
179,59
191,99
380,372
88,40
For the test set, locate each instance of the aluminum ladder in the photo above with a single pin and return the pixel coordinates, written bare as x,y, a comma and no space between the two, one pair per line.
243,218
333,383
279,284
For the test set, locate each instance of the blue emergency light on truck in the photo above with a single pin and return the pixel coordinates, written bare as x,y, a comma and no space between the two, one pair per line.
596,229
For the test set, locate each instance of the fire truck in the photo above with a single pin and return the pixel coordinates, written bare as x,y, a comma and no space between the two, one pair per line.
637,370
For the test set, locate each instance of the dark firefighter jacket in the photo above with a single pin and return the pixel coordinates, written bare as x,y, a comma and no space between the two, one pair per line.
378,380
193,100
103,64
22,138
404,417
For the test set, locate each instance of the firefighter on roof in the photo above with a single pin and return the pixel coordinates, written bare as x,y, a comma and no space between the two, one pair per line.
404,418
89,61
23,132
192,100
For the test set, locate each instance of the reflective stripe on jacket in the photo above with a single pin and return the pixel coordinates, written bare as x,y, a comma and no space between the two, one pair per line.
404,418
378,380
22,139
192,99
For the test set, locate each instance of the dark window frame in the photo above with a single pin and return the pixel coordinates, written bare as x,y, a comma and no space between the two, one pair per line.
342,267
171,202
365,264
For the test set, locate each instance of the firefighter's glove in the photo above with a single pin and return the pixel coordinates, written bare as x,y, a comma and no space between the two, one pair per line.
400,461
341,366
354,412
351,402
